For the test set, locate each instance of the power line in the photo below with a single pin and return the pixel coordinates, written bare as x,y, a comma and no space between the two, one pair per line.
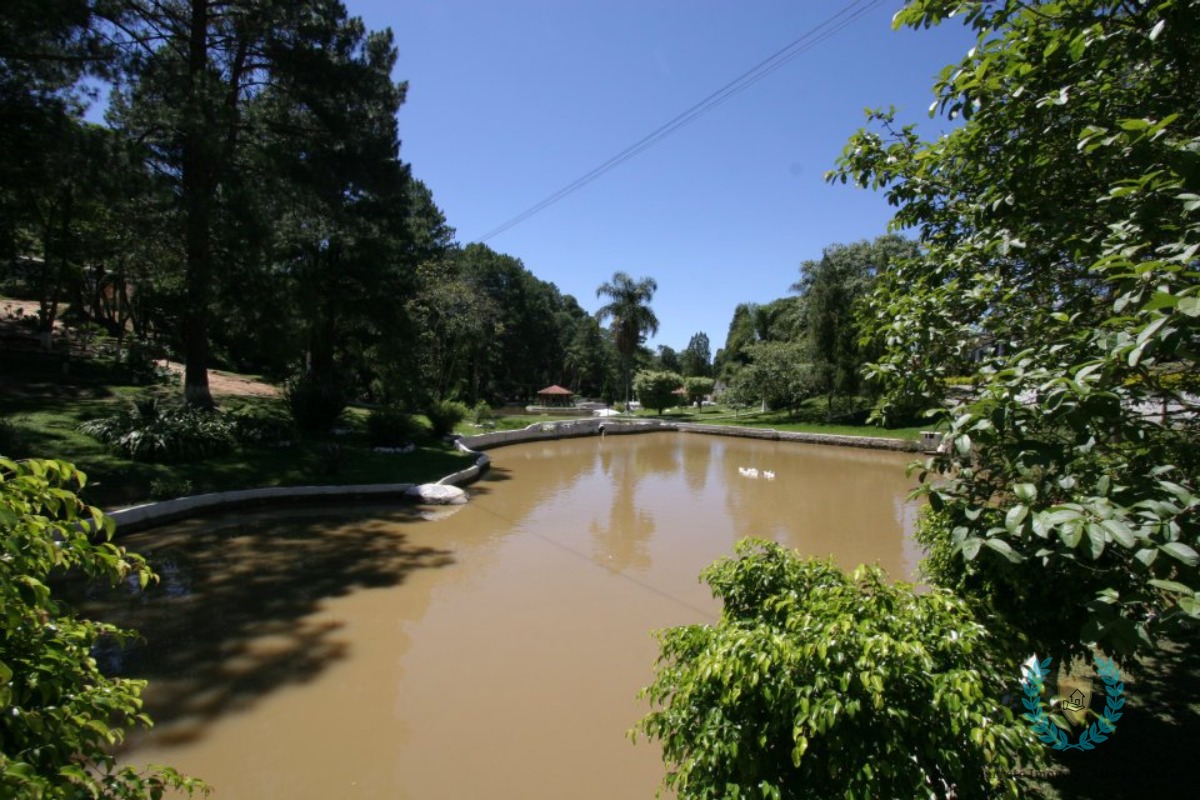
808,40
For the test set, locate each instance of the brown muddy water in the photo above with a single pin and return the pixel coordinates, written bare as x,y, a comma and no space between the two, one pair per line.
494,650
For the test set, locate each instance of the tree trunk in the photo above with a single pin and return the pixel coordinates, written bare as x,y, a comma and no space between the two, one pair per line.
197,188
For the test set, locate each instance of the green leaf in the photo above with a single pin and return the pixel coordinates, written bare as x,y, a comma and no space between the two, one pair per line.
1070,533
1096,539
1002,547
1181,552
1015,516
1025,492
970,547
1119,531
1172,586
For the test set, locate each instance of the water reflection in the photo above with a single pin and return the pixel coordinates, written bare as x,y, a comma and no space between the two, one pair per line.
495,652
231,619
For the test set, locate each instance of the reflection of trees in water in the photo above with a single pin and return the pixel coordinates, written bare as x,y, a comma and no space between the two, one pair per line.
232,620
696,459
522,477
655,454
822,501
622,542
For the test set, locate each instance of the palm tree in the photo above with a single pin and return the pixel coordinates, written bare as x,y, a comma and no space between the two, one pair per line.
632,317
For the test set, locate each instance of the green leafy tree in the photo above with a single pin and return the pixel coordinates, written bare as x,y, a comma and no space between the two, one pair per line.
631,315
587,358
778,321
331,131
668,359
698,388
61,714
657,389
778,375
46,46
1062,225
818,684
457,327
832,289
696,358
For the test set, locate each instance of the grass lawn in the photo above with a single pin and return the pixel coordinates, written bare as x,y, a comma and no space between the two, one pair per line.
801,422
468,427
44,407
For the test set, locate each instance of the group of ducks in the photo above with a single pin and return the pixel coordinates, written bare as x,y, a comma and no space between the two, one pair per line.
753,473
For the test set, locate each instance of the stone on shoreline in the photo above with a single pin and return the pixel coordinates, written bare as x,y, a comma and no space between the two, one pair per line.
438,494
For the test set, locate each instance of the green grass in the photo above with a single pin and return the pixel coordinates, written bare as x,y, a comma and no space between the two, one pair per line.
44,409
803,421
714,415
512,423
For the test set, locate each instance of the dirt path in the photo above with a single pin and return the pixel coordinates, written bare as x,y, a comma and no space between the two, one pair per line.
222,384
228,384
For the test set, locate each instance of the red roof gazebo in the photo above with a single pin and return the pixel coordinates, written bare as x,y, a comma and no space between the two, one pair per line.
555,396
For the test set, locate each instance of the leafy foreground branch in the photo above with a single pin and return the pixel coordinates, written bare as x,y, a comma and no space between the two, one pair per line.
59,715
817,684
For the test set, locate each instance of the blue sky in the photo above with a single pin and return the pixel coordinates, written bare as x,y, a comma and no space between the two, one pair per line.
510,101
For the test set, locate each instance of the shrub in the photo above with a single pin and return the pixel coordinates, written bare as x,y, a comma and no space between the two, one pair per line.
698,387
815,683
62,714
483,412
657,389
391,426
331,458
262,425
141,368
155,431
170,487
13,442
444,415
316,404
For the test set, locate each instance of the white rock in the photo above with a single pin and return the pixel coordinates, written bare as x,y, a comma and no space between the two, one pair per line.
438,494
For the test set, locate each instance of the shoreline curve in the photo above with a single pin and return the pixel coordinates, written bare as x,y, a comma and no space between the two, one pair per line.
150,515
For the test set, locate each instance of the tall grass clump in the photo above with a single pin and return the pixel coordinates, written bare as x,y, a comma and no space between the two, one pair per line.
316,404
156,431
444,415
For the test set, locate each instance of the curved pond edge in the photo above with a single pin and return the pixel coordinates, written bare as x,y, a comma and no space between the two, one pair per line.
151,515
609,425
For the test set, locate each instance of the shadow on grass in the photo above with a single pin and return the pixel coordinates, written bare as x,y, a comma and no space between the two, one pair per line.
232,619
1151,753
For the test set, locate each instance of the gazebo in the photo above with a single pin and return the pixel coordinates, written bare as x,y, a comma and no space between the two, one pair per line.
555,396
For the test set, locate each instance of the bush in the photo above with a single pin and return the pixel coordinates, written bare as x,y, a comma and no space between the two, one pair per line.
698,387
815,683
262,425
155,431
391,426
13,442
444,416
656,389
140,367
62,715
170,487
316,404
483,412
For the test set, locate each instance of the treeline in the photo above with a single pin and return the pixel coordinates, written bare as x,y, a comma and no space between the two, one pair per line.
808,345
245,206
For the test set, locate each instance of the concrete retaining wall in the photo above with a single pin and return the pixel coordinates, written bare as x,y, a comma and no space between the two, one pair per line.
563,430
151,514
871,442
